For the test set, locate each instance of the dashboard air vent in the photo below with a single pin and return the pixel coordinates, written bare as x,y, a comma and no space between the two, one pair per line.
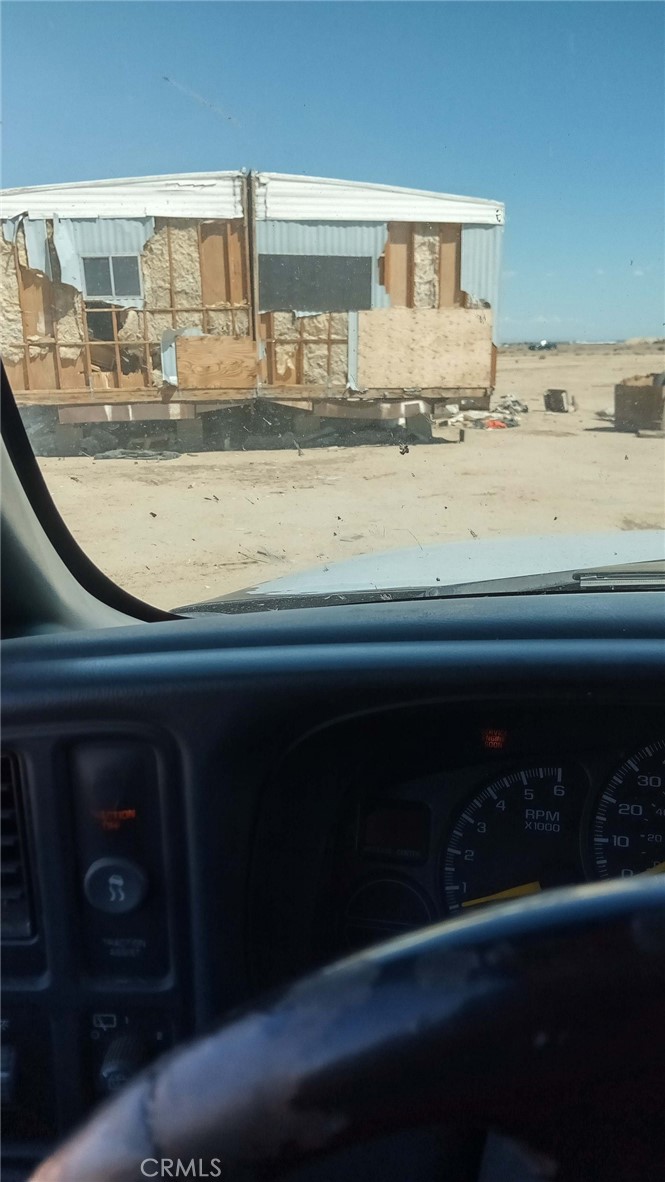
17,921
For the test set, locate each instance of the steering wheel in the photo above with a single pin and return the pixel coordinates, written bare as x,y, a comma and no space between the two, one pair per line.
543,1019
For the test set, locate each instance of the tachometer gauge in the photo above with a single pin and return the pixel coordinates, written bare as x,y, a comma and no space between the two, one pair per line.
628,822
515,837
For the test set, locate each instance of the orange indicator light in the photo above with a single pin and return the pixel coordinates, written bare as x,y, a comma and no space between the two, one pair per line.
114,818
494,739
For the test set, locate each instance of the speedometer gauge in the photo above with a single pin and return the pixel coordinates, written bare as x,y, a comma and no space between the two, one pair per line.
515,837
628,823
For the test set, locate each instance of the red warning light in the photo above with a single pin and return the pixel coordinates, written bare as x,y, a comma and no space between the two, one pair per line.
494,739
110,819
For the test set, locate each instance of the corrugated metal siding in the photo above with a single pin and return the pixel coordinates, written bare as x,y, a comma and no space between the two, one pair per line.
360,239
481,264
298,198
353,239
107,236
186,195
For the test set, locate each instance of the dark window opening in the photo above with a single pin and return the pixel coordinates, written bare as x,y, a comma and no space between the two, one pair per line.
314,283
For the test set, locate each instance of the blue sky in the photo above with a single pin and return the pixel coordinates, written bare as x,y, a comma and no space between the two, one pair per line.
555,108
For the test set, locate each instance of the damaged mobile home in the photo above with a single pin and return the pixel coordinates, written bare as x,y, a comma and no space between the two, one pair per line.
164,297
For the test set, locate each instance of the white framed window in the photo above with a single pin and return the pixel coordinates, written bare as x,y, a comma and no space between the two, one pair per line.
110,277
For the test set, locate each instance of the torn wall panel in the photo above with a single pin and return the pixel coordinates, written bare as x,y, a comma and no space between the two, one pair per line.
482,248
424,348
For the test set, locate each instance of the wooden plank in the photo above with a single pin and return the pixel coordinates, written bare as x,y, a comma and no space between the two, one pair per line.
238,286
199,247
41,365
422,348
450,265
116,348
56,356
214,272
410,267
72,373
169,247
164,396
216,363
37,304
147,360
15,371
396,263
224,279
304,394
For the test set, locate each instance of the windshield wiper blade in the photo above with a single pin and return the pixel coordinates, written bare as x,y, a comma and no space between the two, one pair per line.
631,577
636,576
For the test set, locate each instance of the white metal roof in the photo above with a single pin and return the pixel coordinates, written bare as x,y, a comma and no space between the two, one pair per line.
302,198
219,195
182,195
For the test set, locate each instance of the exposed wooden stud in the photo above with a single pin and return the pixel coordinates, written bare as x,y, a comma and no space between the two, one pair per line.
410,265
249,221
87,360
199,243
56,354
396,264
116,345
227,263
300,354
247,261
450,265
271,358
169,248
146,345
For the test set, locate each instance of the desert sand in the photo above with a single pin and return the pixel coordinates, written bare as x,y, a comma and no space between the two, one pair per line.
186,529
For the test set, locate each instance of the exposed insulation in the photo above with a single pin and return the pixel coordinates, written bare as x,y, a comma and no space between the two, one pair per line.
339,325
288,327
285,364
285,326
315,364
339,364
11,323
319,370
220,322
68,312
425,266
132,327
155,268
186,272
158,323
315,328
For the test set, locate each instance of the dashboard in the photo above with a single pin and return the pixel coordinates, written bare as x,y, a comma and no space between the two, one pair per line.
433,812
201,810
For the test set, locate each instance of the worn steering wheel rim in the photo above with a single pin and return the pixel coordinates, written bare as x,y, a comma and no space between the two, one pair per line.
495,1020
